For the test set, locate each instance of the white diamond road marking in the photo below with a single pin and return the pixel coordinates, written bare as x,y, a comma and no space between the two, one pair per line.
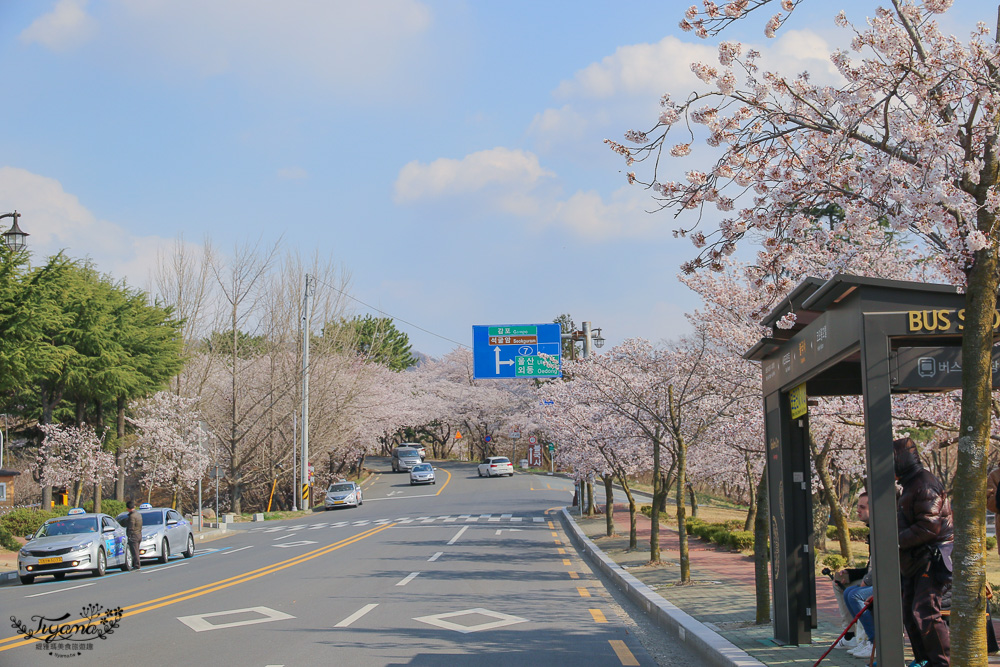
502,620
300,543
199,622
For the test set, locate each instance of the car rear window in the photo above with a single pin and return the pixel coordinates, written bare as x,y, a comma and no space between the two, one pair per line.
501,460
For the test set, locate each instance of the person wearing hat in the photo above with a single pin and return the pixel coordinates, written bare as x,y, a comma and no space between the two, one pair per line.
133,531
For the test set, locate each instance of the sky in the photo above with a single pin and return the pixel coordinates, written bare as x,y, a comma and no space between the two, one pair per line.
447,155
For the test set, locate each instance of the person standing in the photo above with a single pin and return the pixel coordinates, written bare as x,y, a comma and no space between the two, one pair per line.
923,517
133,531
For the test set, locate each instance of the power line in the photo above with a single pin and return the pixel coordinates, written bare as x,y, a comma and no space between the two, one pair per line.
392,317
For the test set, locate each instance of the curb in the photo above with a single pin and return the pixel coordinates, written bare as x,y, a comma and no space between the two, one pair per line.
713,647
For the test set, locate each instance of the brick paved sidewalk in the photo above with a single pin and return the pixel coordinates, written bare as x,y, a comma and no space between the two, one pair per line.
721,593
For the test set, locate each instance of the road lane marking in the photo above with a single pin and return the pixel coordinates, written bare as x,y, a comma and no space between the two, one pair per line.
471,519
537,519
160,569
408,578
356,615
198,622
445,485
149,605
284,536
435,557
558,542
441,620
624,655
584,593
458,535
516,518
300,543
562,552
552,526
36,595
317,526
555,534
240,549
573,575
598,616
566,561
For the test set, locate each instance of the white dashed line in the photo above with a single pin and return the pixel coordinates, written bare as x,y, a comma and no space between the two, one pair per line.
458,535
408,578
284,536
240,549
435,557
38,595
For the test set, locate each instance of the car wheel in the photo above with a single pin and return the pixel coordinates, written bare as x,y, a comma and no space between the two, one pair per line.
59,576
411,482
102,564
27,579
164,551
190,547
480,472
127,565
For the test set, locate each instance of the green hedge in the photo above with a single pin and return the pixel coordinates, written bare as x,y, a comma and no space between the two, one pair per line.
108,506
857,533
991,543
741,540
834,561
7,540
26,520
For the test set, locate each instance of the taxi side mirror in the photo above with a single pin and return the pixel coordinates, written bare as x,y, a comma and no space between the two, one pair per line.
171,522
29,536
109,529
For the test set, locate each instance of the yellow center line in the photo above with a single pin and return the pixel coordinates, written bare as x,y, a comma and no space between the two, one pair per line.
598,616
624,655
573,575
551,526
566,561
584,593
443,486
558,542
561,551
149,605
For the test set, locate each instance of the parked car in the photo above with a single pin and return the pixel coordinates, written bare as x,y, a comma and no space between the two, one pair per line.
404,458
78,542
496,466
165,533
344,494
422,473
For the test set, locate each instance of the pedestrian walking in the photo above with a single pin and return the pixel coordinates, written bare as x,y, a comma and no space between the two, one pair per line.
133,531
923,517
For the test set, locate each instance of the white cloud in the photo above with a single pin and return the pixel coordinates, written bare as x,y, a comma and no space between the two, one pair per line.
589,217
292,173
516,170
332,43
67,26
56,220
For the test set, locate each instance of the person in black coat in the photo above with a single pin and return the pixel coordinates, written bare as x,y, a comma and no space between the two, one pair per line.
923,517
133,531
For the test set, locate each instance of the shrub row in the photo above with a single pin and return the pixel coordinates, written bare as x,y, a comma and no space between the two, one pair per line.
26,520
7,540
728,534
857,533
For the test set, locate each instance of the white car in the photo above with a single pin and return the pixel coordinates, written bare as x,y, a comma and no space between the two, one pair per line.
344,494
496,466
79,542
422,473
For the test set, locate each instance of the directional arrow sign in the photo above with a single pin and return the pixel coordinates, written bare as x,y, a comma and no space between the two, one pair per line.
517,350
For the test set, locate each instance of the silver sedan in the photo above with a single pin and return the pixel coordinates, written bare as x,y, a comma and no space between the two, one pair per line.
165,533
79,542
344,494
422,473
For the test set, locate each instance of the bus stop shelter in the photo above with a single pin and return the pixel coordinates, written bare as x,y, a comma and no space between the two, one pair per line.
851,336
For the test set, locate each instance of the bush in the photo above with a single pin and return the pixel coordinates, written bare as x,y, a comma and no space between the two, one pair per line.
108,506
831,532
24,520
859,533
991,543
741,540
691,523
7,540
646,509
834,561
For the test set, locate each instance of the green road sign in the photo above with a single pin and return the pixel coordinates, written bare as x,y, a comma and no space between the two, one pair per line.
552,447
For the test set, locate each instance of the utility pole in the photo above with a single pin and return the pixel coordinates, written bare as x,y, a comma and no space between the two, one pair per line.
306,500
295,491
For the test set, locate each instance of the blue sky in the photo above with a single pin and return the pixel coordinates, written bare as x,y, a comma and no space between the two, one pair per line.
447,154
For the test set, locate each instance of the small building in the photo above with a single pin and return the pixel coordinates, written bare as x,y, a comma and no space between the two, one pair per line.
7,487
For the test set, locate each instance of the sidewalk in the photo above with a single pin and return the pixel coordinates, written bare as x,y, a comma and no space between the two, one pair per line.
721,595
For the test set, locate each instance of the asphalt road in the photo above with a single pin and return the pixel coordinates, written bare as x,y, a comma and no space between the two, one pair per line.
469,571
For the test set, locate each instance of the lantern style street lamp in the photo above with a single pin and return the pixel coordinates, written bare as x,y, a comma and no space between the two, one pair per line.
14,238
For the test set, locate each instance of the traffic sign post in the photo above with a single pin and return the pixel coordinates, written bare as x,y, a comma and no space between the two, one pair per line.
552,458
516,351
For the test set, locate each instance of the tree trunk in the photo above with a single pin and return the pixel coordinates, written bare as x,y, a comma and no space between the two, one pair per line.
590,498
821,459
659,494
694,499
77,492
760,554
820,521
968,617
609,503
752,513
682,535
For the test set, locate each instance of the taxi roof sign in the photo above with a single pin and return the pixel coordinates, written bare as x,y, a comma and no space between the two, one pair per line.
145,506
77,510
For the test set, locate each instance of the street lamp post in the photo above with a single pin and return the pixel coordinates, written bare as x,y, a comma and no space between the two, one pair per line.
590,340
14,238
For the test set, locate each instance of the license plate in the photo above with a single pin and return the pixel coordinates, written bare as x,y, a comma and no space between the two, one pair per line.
48,561
338,502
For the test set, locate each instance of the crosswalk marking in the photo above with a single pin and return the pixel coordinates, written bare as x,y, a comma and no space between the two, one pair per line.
469,518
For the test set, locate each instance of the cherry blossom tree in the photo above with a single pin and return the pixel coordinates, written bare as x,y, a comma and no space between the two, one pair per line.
908,143
167,451
73,456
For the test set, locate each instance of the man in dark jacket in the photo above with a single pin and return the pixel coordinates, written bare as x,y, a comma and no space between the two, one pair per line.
923,516
133,531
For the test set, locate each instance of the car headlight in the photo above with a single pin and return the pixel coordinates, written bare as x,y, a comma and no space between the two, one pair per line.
23,553
148,538
350,498
83,545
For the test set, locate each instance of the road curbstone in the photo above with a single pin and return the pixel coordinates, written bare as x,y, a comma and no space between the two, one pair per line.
711,646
